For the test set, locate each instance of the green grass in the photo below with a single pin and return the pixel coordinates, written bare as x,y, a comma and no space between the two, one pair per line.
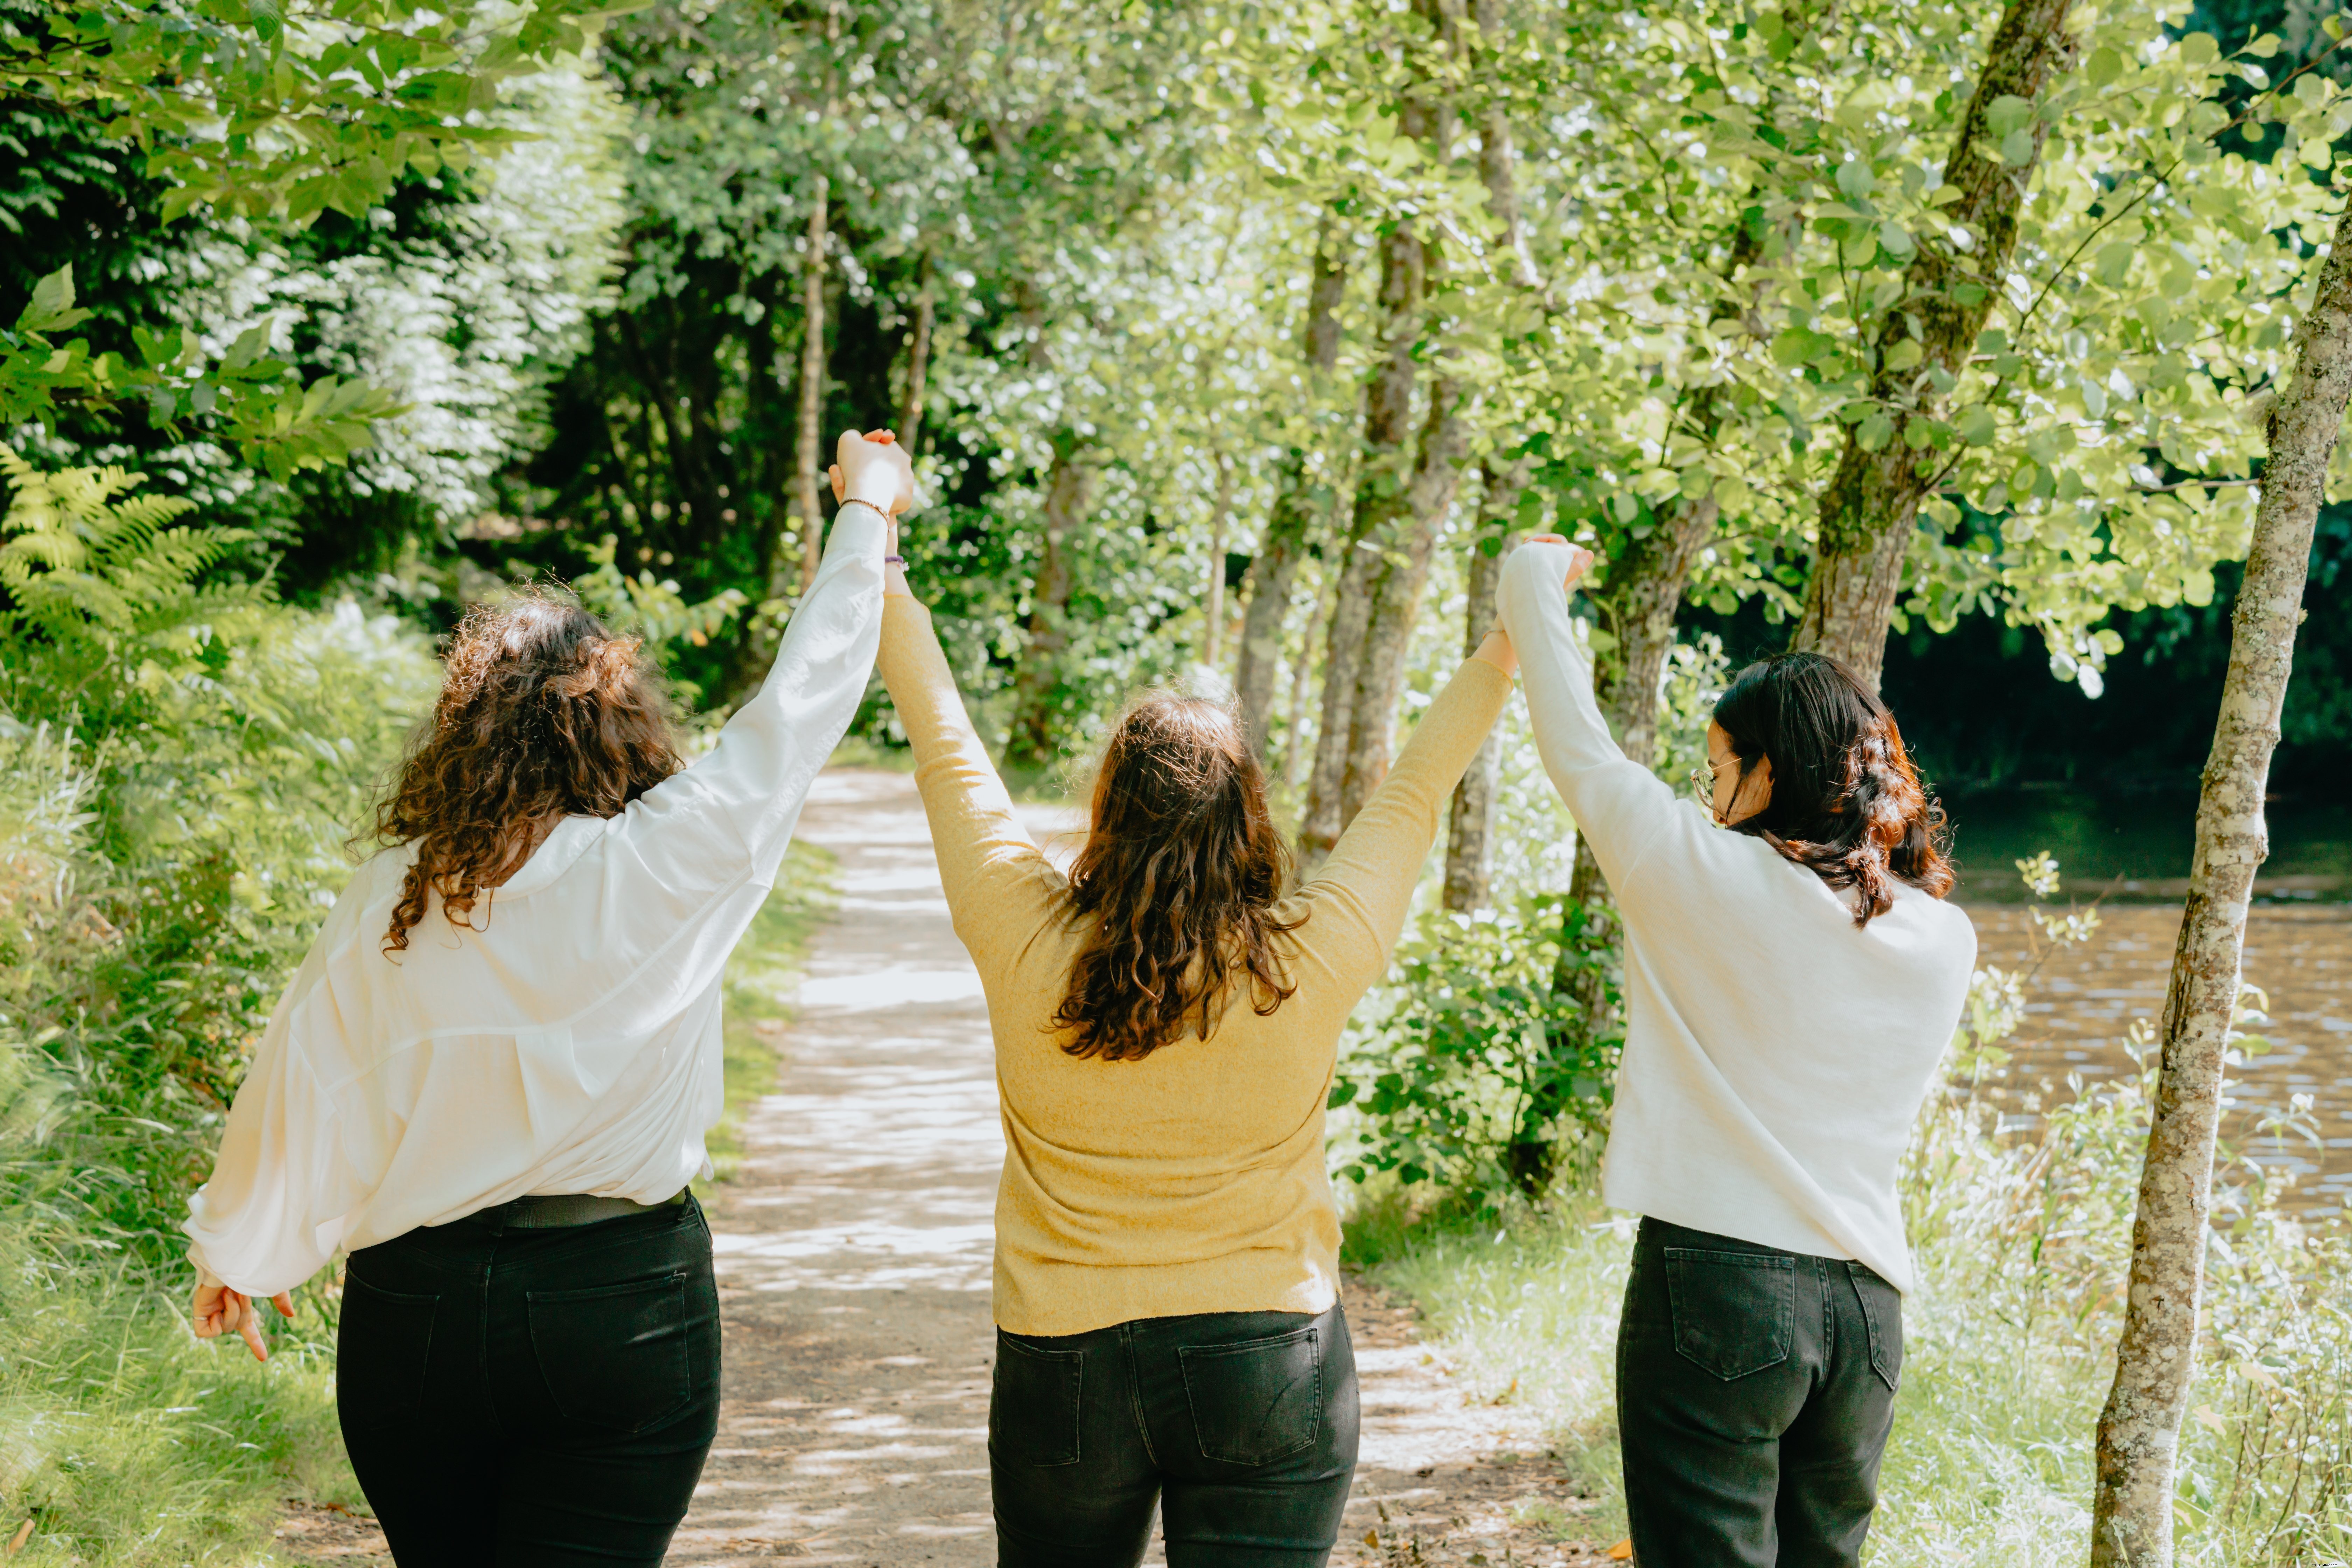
130,1443
2021,1246
761,978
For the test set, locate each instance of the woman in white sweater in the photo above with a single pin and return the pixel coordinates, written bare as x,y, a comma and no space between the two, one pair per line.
1792,976
492,1077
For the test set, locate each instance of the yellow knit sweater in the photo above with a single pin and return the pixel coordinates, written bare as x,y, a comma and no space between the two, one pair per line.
1191,1181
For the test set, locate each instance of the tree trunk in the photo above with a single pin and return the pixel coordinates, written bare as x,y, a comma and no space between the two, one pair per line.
1275,566
811,437
919,365
1380,484
1469,858
1069,491
1217,520
1403,572
2139,1431
1469,852
1871,509
1294,752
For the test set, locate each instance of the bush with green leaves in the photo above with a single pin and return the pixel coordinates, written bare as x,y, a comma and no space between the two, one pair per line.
1474,1074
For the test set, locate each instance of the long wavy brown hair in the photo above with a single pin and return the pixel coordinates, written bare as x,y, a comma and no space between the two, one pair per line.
1177,884
544,713
1847,804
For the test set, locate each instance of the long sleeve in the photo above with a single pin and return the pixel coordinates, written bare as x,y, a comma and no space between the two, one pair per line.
738,804
1619,805
998,884
1366,886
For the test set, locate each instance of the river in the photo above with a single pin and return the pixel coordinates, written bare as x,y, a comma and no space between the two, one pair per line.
2131,853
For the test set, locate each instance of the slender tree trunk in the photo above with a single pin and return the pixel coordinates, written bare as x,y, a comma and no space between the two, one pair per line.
1469,857
1381,484
1871,509
1220,514
811,437
1401,503
1397,584
909,430
2139,1431
1275,566
1294,752
1469,852
1069,492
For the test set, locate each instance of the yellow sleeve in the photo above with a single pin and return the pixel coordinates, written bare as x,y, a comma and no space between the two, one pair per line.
999,888
1361,893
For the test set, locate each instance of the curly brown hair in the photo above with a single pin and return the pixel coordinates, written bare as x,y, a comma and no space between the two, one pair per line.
544,713
1179,878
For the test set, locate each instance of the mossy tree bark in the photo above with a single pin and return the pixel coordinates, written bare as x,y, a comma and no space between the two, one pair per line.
1274,568
809,452
1469,847
1069,494
1871,509
2139,1430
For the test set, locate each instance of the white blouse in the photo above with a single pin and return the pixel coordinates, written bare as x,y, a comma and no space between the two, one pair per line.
569,1041
1775,1056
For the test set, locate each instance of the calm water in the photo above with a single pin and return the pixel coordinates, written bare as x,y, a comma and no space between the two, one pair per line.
2134,850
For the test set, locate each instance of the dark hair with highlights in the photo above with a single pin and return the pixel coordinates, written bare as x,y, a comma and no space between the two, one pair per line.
543,714
1179,879
1846,802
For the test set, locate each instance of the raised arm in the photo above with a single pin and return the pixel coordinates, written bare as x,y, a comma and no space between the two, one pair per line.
736,807
989,865
1619,805
1366,886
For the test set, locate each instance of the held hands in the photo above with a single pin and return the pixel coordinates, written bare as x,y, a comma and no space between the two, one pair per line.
1580,564
874,468
218,1310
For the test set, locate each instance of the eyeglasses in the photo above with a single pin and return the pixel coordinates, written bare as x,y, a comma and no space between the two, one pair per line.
1702,783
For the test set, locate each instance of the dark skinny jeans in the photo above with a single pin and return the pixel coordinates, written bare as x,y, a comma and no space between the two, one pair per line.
1755,1391
531,1398
1242,1424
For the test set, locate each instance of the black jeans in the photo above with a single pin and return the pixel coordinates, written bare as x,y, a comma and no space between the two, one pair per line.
1246,1421
1755,1391
530,1398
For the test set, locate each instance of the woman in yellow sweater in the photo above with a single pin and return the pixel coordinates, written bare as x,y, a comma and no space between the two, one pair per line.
1166,1019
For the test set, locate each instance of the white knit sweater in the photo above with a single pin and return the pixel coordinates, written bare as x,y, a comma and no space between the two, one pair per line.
1775,1056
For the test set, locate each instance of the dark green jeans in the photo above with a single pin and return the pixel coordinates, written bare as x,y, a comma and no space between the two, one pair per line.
1755,1391
1242,1424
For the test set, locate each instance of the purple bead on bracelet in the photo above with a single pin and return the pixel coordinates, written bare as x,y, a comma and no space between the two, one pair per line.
894,561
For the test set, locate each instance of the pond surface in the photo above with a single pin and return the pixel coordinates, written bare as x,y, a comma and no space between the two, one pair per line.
2131,853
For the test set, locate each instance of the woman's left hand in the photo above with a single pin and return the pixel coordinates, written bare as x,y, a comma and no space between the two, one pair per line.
218,1309
1582,564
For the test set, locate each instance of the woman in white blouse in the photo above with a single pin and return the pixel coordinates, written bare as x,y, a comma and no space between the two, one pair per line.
1790,985
491,1080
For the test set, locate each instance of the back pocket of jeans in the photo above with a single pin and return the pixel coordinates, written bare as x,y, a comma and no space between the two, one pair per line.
383,1343
1032,1408
1881,1314
1258,1401
1735,1312
616,1355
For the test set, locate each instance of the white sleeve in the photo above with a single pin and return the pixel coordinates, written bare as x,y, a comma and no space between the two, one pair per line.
735,808
1619,805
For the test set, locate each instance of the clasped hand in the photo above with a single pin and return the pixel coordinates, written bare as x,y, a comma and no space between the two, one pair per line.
218,1310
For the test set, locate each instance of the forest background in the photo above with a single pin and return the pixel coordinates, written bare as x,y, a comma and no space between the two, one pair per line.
1234,342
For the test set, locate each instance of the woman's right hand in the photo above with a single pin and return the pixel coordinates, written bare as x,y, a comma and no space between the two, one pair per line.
218,1309
1580,563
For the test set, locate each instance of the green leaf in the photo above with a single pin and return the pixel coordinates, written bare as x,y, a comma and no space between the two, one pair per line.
1975,424
2103,66
2017,148
268,18
51,308
2007,115
2113,263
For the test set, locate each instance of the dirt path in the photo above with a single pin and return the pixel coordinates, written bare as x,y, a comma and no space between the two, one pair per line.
854,1253
854,1265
